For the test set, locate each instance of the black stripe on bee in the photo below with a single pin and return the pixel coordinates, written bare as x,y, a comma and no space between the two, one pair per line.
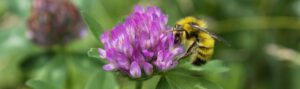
204,48
192,34
188,36
201,54
199,62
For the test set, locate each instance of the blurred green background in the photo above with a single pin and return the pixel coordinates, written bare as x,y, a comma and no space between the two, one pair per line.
264,37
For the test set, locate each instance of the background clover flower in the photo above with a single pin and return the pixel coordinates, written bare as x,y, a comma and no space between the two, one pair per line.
54,22
140,45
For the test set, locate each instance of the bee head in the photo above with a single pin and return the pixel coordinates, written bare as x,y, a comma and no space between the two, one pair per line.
177,37
178,27
177,32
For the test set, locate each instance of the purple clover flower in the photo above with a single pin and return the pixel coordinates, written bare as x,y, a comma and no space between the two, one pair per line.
141,44
54,22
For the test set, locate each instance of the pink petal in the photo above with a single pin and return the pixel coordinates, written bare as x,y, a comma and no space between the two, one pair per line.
109,67
102,53
148,68
135,70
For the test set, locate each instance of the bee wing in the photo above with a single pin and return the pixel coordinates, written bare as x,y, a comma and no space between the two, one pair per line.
220,39
212,34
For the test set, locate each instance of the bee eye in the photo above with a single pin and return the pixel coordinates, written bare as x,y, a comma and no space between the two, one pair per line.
178,27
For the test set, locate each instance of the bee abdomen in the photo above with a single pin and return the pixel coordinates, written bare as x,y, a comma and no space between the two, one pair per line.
204,52
202,55
199,61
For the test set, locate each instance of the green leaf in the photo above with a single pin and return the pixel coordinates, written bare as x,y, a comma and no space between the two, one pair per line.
102,80
53,74
127,83
37,84
212,67
188,76
93,25
163,84
12,38
151,83
182,80
80,70
93,52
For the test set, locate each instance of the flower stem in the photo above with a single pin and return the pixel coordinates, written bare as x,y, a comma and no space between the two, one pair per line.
139,84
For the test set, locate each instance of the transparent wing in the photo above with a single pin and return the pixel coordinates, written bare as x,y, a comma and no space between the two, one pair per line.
212,34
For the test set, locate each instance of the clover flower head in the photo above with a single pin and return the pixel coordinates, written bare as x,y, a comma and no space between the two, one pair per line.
54,22
141,45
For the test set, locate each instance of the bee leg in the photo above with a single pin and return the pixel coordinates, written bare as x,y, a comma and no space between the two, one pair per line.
189,51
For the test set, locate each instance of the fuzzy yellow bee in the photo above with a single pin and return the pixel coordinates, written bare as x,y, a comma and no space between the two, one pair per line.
193,33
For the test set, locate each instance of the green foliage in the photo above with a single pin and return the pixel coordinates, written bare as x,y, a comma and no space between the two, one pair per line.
180,80
53,75
71,72
164,84
81,70
188,76
37,84
14,47
93,52
102,80
93,25
212,67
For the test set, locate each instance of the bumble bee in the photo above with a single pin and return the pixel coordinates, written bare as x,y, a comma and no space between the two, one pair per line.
193,33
